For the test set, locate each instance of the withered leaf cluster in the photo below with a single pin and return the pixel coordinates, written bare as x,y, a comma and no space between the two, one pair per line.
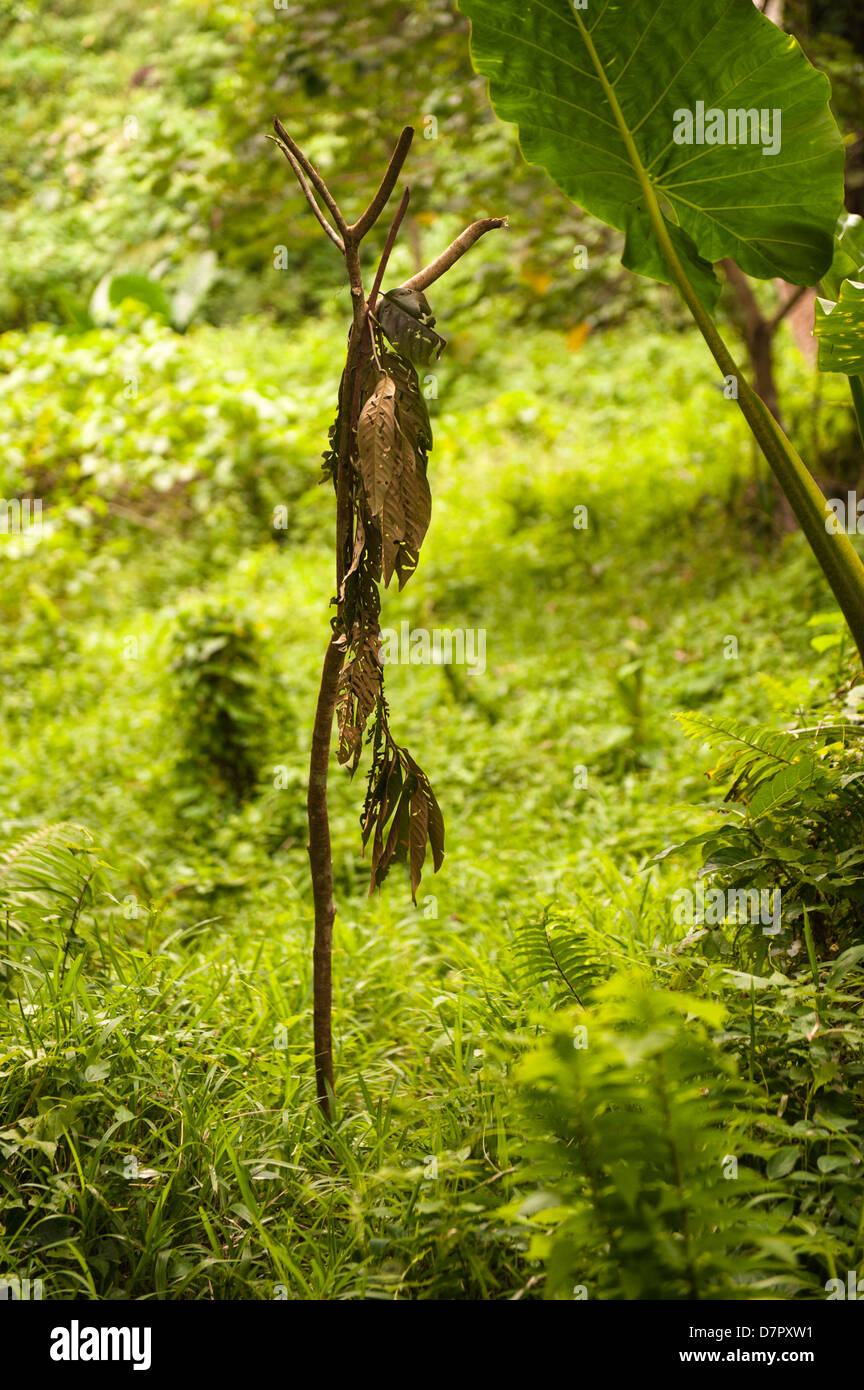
400,813
391,507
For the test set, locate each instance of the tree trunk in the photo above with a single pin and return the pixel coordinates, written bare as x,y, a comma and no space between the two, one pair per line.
322,875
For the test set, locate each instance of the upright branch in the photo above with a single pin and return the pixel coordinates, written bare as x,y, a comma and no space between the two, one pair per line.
377,461
388,183
296,158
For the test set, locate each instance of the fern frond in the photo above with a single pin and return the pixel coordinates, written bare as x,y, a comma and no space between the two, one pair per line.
570,957
751,754
640,1121
47,872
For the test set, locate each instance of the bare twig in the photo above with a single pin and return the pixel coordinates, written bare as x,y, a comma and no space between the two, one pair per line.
758,334
373,294
312,173
310,196
388,247
464,241
368,219
347,422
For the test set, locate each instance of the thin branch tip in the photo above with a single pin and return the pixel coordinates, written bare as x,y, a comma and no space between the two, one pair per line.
368,219
455,251
295,155
307,193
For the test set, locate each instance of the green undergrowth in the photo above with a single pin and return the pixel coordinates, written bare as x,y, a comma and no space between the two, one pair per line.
157,1117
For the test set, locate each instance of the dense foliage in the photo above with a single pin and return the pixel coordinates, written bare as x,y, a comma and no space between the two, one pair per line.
668,710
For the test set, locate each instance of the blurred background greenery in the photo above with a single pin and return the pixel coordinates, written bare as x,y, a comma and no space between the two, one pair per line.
172,328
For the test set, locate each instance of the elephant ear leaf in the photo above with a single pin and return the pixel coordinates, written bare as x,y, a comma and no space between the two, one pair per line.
840,330
632,109
848,262
839,322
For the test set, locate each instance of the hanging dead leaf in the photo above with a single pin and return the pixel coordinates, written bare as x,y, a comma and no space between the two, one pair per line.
393,521
357,693
419,828
412,412
435,822
376,443
417,510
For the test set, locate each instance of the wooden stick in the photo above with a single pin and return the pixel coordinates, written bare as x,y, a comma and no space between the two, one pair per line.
312,174
464,241
388,247
359,228
347,239
310,196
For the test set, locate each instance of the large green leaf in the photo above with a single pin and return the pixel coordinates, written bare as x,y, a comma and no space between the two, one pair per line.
840,330
196,276
840,318
142,289
598,92
848,262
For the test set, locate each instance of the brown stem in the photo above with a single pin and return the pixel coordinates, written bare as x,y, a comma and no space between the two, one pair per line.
321,865
794,298
320,853
359,228
309,195
312,174
366,326
758,334
388,247
348,239
347,420
464,241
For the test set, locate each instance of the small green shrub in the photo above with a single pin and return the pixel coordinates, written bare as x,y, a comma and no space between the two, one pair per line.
800,1037
49,879
219,708
648,1152
793,820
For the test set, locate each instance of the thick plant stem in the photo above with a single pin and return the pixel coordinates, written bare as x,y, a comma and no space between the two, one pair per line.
856,386
320,855
321,865
834,550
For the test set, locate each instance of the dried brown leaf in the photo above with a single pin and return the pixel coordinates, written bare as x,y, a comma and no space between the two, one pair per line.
377,439
418,836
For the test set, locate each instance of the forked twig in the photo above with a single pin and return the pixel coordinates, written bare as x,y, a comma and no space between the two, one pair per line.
310,196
